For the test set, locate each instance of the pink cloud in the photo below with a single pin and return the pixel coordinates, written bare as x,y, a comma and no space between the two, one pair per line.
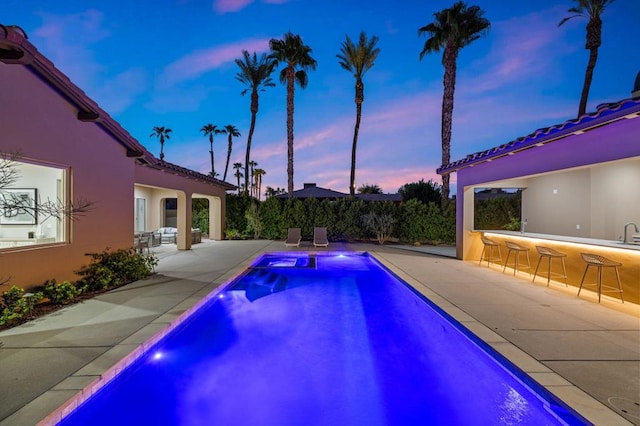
228,6
323,153
195,64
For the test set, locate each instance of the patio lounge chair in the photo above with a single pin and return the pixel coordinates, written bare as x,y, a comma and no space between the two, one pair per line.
293,238
320,237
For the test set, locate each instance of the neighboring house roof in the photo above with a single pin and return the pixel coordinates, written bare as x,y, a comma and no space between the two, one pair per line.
396,198
604,115
311,190
16,49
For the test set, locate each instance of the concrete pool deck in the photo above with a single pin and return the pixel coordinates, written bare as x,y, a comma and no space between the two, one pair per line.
587,354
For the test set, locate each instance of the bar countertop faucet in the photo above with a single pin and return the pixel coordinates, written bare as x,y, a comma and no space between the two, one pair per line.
626,238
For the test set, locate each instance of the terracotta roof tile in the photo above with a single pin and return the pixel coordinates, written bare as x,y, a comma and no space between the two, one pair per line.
604,114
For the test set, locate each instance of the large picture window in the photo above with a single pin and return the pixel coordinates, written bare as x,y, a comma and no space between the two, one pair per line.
28,195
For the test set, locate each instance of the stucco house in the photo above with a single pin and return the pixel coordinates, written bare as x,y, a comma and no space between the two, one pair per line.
69,149
580,183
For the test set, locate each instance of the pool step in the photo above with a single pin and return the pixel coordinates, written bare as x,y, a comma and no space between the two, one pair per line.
261,282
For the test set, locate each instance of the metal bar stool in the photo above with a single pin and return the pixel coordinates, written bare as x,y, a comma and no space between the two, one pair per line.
490,244
601,262
518,249
549,253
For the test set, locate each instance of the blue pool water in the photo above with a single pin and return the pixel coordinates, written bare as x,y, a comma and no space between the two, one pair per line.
326,340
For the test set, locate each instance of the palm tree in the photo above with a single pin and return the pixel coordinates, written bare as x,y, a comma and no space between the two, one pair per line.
231,132
358,59
238,174
257,174
255,73
369,189
252,165
210,130
592,10
452,29
161,133
272,192
292,52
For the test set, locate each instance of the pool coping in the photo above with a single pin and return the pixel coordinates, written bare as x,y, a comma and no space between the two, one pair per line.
574,397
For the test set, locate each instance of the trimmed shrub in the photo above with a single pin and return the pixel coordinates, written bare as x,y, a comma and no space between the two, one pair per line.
60,293
16,305
498,213
270,212
349,226
232,234
413,224
421,222
236,206
114,268
254,221
293,216
200,214
440,226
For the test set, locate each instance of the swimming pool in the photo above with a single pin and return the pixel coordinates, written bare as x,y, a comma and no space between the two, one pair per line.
327,339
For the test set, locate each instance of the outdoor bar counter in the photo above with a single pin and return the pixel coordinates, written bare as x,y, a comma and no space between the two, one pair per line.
627,254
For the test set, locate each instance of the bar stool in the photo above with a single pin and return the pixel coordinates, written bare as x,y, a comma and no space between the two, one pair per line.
549,253
601,262
490,244
518,249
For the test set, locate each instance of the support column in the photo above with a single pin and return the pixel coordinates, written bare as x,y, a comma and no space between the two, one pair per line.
216,218
183,240
464,220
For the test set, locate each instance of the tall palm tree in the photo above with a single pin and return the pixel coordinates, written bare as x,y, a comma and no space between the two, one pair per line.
210,130
252,165
358,59
238,174
161,133
592,10
296,56
452,29
232,132
257,174
255,73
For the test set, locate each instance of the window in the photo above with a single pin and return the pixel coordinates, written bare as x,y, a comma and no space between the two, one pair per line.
30,197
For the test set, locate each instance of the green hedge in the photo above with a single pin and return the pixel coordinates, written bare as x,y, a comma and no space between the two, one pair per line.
498,213
345,219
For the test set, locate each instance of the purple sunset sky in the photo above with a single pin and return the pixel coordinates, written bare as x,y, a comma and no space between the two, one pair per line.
170,64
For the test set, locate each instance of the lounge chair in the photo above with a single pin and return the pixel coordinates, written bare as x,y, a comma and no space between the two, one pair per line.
293,238
320,237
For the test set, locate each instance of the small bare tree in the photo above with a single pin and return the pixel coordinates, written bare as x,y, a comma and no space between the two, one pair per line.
381,224
12,204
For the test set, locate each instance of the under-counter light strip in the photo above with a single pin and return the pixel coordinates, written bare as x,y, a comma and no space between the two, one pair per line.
568,243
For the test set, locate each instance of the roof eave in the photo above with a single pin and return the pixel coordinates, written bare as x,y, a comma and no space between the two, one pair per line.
628,108
15,49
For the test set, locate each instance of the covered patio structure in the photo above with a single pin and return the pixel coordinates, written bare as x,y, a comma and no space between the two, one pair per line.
156,182
580,184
